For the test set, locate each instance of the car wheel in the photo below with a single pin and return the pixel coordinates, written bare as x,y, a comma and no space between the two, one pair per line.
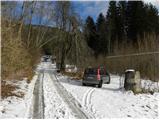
100,84
108,82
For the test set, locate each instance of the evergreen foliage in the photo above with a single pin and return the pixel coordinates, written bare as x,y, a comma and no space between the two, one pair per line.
124,23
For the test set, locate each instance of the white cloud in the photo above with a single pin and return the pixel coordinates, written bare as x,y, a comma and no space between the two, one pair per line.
95,8
154,2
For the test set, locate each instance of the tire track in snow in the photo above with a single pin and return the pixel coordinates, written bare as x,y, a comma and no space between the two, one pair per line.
38,104
55,107
87,97
86,102
74,105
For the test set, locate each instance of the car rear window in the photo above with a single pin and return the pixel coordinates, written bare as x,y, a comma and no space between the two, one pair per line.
91,71
102,72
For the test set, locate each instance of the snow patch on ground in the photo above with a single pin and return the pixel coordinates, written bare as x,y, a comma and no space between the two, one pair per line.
150,85
112,101
15,107
29,98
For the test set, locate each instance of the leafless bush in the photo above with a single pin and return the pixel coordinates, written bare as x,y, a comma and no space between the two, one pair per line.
16,59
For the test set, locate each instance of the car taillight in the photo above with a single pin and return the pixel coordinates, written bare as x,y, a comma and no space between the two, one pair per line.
98,74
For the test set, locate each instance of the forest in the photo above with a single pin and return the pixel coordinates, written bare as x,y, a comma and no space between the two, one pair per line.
30,29
128,27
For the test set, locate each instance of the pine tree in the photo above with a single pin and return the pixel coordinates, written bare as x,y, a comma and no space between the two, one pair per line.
111,23
135,19
90,33
152,19
125,23
141,19
102,34
121,21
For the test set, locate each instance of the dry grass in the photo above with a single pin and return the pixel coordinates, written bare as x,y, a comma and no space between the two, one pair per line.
74,75
7,90
17,60
148,65
14,55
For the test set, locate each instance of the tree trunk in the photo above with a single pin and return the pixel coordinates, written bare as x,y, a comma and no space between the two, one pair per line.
62,63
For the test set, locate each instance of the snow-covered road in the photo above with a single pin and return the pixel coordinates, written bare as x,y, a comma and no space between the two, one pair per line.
54,105
110,101
57,96
58,103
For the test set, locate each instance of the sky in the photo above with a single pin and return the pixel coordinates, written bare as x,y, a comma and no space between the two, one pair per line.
91,8
94,8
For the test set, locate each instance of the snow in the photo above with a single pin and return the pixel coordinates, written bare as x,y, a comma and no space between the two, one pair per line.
8,108
70,68
55,107
29,98
15,107
149,85
130,70
111,101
